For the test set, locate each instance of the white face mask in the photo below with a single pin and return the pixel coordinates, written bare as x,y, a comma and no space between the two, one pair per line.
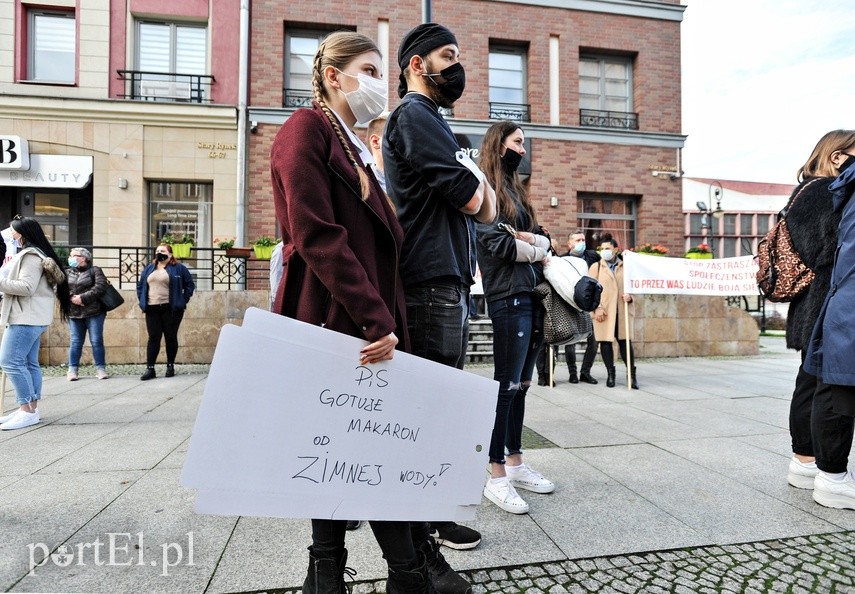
607,255
369,100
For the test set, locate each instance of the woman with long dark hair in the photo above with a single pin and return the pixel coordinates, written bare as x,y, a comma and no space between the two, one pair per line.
510,252
164,289
341,246
30,284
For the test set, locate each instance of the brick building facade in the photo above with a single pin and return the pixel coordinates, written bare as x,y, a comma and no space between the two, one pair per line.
601,169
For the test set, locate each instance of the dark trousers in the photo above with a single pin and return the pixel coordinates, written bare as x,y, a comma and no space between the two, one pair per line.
817,426
607,352
162,322
542,366
393,537
587,358
438,324
517,338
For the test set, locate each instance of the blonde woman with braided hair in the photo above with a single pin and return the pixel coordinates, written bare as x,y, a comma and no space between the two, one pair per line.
341,245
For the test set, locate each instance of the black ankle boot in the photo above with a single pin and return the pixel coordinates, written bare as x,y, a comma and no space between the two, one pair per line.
634,382
586,377
170,370
148,374
444,579
414,581
610,380
326,576
574,379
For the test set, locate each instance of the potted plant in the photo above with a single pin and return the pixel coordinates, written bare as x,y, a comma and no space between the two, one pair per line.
701,251
263,247
651,249
181,245
228,244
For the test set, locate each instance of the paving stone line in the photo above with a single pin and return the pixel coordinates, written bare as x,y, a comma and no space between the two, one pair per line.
818,564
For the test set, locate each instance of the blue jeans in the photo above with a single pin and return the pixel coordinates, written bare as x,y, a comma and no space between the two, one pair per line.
517,338
77,328
19,358
438,322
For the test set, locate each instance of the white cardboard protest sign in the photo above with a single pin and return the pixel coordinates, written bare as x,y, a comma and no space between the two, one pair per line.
683,276
291,425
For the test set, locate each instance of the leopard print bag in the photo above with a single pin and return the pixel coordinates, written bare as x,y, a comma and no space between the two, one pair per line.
781,274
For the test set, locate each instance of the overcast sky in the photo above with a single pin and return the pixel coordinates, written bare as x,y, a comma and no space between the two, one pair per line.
763,80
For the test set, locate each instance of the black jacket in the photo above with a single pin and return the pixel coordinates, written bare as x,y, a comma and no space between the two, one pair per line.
813,224
90,283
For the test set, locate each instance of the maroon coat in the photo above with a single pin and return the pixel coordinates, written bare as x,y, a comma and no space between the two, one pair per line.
341,253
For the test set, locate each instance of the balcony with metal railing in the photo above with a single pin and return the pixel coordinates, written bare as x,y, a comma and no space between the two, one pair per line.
515,112
212,268
608,119
295,98
166,86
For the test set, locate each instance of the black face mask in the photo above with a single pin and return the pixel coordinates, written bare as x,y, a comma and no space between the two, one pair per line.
161,257
455,82
511,160
850,160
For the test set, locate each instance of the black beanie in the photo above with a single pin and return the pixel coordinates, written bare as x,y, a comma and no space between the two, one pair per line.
421,40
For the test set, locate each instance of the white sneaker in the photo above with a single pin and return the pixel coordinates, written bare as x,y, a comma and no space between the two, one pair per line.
832,493
502,493
72,375
801,474
523,477
20,420
101,373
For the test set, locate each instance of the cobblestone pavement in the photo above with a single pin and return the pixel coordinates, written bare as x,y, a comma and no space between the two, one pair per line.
821,564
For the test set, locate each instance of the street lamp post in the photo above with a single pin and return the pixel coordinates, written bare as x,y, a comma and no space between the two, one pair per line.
716,192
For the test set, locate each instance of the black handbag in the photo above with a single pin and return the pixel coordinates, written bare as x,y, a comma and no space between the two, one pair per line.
111,299
562,323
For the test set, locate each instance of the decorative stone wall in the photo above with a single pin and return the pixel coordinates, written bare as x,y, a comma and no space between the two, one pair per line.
692,326
125,335
665,326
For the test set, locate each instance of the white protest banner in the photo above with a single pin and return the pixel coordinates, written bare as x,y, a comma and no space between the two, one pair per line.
683,276
291,425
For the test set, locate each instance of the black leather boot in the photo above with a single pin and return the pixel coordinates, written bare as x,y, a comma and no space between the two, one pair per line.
574,379
148,374
610,380
414,581
634,382
170,370
585,376
326,576
444,579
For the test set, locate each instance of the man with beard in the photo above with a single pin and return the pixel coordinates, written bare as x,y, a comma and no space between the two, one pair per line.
439,194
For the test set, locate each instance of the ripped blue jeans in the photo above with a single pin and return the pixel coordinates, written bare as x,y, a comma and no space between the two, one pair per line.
517,337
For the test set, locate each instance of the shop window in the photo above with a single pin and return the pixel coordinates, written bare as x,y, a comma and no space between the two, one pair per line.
180,209
608,214
52,46
301,45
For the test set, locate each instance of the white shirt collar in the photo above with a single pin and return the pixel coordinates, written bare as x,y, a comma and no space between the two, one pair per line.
364,153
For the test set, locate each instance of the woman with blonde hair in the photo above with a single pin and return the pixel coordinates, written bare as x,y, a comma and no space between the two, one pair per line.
812,223
341,245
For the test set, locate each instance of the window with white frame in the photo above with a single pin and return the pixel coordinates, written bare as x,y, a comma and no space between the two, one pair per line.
301,45
172,61
52,46
507,80
605,92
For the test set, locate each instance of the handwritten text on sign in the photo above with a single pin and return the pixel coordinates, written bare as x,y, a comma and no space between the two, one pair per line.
331,437
681,276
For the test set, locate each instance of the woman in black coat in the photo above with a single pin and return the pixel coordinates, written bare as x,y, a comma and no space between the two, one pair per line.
813,224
